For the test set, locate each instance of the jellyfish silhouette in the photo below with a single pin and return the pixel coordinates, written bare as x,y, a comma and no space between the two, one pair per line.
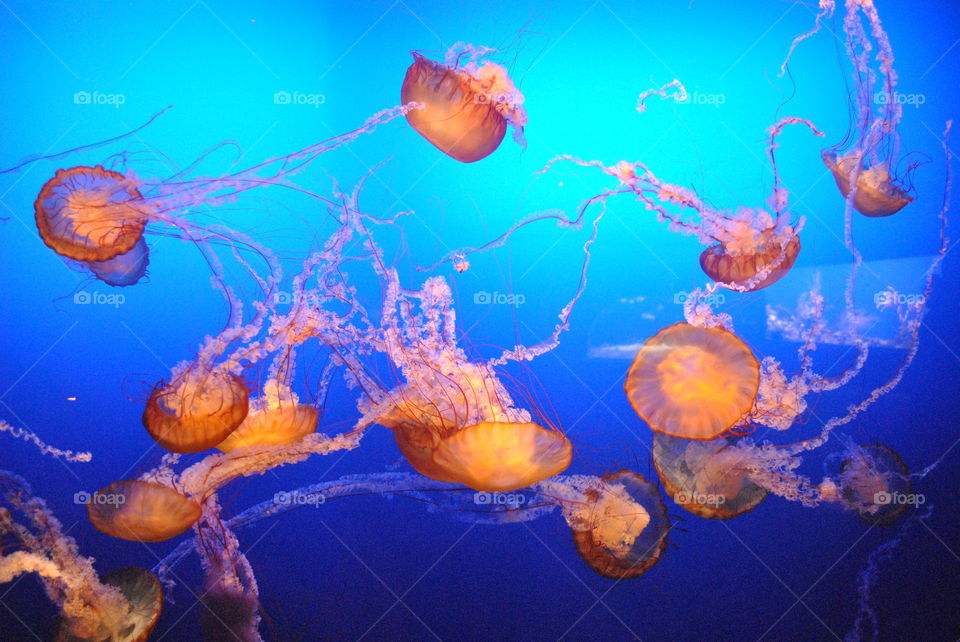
622,529
466,108
705,478
141,511
873,480
692,382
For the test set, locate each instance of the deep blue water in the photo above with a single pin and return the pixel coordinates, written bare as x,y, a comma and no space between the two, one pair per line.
78,374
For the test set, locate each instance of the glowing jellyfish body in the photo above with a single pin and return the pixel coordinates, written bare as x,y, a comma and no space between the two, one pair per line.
874,481
466,108
705,478
89,213
197,411
272,427
876,195
143,594
692,382
141,511
624,530
739,269
500,456
124,269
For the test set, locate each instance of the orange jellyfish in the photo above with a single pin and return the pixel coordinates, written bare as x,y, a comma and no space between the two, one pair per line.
623,531
706,478
141,511
466,107
724,265
499,456
142,592
197,410
89,213
693,382
874,481
877,194
276,419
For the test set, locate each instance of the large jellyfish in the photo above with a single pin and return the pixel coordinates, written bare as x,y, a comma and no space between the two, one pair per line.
693,382
124,605
466,107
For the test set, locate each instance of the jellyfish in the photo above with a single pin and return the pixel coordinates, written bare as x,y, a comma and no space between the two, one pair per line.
874,481
621,528
466,107
141,511
705,478
124,605
124,269
276,418
693,382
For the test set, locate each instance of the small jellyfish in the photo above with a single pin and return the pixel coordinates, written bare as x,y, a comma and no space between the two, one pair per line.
141,511
621,530
693,382
466,107
276,418
90,214
874,481
142,591
877,194
706,478
499,456
124,269
197,410
724,265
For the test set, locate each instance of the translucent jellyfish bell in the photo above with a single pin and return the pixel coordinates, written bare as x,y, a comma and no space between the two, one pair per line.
276,419
622,529
876,195
89,213
724,266
692,382
500,456
874,480
705,478
124,269
141,511
196,411
466,107
143,593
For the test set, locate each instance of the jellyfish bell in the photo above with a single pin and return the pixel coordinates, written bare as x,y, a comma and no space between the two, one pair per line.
495,456
197,410
142,592
705,478
692,382
876,194
141,511
621,531
124,269
739,269
873,480
466,108
90,213
273,420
